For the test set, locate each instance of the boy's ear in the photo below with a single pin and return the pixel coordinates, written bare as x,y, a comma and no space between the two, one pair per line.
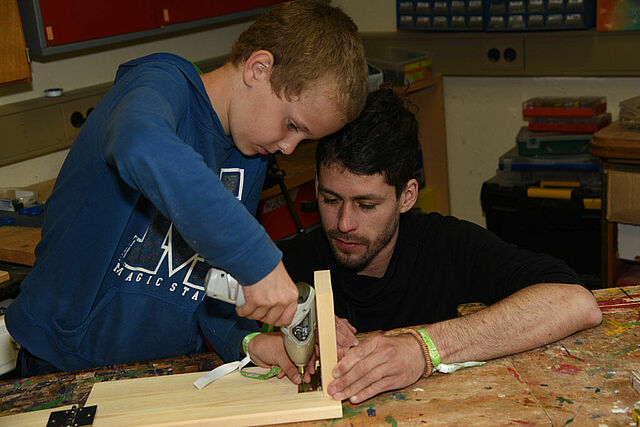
257,67
409,195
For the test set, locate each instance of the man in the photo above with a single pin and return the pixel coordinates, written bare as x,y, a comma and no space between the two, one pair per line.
391,268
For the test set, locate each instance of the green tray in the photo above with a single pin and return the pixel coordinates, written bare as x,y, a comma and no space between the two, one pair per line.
535,143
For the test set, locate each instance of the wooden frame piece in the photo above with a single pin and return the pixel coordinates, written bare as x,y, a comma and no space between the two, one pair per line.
232,400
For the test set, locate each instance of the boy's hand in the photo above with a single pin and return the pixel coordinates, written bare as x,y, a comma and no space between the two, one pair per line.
268,350
272,300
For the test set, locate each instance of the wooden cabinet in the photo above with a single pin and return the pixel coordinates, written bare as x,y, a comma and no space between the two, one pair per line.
60,26
14,64
620,152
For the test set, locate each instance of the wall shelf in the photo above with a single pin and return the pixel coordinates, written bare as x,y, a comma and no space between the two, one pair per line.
542,53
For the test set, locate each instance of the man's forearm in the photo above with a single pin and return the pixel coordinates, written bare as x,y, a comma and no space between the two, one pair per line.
533,316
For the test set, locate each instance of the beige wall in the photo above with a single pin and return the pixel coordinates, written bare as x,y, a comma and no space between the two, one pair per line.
483,114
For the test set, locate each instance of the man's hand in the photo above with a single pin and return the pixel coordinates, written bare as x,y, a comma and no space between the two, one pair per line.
271,300
377,364
267,350
345,336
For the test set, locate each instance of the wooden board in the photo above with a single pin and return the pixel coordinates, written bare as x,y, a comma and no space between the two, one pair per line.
614,142
18,244
231,400
15,66
4,276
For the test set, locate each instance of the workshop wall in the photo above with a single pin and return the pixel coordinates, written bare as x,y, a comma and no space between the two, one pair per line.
483,114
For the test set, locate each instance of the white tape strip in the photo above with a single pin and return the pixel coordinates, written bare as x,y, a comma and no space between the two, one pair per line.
220,372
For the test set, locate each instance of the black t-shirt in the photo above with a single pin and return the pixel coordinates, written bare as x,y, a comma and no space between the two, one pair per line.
438,263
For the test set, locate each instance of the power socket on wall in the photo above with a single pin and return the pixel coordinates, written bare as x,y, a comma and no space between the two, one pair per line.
503,54
43,125
75,113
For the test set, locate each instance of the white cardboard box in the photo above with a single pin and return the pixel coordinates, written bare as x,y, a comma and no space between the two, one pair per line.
629,242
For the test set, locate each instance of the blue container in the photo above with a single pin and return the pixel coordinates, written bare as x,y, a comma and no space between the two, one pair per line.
495,15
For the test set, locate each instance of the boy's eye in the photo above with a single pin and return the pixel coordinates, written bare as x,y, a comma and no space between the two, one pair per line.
291,125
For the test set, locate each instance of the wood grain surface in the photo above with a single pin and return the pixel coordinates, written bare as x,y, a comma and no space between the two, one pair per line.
18,244
614,142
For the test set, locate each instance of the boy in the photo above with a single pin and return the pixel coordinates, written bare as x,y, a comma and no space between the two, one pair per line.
161,184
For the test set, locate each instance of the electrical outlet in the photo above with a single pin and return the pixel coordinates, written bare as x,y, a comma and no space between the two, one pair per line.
503,54
74,114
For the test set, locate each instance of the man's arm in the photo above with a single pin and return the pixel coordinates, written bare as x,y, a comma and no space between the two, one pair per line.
534,316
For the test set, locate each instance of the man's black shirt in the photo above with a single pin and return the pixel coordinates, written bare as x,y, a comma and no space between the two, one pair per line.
438,263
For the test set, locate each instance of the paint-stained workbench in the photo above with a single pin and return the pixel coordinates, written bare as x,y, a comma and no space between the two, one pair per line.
582,380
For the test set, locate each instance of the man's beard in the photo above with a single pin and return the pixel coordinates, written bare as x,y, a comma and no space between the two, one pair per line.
347,260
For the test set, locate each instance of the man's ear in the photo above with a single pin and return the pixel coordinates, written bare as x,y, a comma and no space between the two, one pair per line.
409,195
316,185
257,67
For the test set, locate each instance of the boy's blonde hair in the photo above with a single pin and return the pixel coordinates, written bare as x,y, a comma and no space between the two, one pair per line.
310,40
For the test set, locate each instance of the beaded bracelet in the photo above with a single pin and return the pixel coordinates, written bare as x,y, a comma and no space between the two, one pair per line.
428,364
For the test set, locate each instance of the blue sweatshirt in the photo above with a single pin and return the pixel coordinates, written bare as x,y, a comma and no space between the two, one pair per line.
151,195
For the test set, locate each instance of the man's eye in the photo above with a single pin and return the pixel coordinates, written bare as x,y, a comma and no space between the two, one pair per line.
328,201
367,206
291,125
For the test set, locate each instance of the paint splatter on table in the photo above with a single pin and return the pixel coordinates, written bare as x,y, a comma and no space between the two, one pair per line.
582,380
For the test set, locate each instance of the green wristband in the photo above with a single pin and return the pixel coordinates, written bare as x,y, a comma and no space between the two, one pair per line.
433,351
245,341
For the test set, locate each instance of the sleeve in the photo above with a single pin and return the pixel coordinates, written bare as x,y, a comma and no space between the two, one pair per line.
140,140
494,269
223,328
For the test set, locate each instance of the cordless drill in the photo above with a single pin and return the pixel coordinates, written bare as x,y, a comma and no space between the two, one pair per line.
299,335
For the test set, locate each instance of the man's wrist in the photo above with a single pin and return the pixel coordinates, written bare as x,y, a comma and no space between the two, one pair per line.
434,355
428,365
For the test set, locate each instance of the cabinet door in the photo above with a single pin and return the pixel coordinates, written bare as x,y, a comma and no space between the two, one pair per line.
69,21
14,67
177,11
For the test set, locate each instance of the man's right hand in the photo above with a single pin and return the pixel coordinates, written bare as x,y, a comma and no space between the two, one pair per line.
272,300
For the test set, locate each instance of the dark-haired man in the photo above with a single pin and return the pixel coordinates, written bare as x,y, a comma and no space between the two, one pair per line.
391,268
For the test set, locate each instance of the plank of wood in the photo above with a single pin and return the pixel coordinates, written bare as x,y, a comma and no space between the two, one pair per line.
18,244
231,400
4,276
31,419
326,328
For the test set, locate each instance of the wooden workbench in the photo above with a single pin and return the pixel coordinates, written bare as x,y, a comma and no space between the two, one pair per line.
582,380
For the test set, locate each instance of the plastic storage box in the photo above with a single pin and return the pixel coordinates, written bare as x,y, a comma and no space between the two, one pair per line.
402,66
569,124
512,161
560,106
563,222
539,15
537,143
440,15
495,15
630,113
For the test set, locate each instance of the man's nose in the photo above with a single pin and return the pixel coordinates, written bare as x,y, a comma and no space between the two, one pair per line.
346,220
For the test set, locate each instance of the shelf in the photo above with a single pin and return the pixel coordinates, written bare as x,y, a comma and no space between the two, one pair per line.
541,53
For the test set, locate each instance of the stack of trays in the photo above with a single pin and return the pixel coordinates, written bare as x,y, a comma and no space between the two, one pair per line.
566,114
